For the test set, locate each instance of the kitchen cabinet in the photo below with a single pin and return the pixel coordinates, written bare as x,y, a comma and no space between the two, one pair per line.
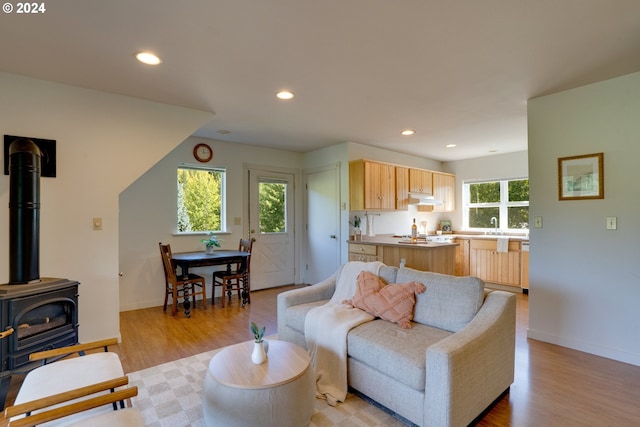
420,181
402,188
385,186
492,266
364,253
462,257
372,185
439,258
524,268
444,188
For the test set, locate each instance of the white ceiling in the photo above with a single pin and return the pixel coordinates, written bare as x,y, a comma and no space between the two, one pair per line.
457,71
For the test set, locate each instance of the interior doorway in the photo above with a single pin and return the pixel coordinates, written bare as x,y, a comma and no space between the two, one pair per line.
323,224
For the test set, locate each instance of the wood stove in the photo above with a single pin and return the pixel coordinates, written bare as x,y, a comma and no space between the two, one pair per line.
43,316
42,312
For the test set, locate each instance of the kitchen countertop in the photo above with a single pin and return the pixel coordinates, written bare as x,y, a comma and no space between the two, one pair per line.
389,240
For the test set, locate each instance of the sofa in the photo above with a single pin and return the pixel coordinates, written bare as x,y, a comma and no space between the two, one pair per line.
454,362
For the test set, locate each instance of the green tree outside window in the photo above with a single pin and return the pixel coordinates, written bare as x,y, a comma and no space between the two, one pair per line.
200,199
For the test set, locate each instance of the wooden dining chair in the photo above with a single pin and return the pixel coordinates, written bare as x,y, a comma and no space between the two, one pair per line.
237,278
179,285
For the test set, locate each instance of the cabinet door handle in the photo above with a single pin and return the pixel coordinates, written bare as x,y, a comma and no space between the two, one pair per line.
333,236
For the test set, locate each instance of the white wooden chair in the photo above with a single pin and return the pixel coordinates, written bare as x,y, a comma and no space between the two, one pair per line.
68,373
74,407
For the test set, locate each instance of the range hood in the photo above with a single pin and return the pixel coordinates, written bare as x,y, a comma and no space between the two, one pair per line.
422,199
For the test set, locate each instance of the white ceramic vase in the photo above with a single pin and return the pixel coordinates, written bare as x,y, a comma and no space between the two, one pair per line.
258,355
210,249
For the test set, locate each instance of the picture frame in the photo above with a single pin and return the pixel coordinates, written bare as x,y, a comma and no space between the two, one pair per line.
581,177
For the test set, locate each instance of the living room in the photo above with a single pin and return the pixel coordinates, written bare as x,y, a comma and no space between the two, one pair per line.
584,278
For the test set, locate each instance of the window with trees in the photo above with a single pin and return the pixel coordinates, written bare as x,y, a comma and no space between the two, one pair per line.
201,199
506,200
273,204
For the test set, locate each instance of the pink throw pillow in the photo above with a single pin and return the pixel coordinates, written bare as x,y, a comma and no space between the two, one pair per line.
394,302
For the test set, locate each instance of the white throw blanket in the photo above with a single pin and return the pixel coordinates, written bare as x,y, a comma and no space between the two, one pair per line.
326,328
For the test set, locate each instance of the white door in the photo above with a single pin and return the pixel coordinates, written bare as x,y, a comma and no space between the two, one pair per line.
323,225
271,223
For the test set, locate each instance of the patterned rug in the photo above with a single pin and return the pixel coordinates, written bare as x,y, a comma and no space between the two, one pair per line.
169,395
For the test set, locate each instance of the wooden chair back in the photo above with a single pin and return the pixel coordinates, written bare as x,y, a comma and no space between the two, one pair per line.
169,270
246,245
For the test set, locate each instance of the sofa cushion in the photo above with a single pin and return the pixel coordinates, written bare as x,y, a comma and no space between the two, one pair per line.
393,302
449,302
396,352
295,315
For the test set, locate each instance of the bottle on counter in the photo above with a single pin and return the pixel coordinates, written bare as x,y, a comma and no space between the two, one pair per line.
414,231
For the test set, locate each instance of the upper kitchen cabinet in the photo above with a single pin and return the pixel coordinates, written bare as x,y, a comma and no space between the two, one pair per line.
444,189
372,185
402,188
420,181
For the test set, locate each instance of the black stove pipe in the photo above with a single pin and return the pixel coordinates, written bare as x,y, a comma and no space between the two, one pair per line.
24,212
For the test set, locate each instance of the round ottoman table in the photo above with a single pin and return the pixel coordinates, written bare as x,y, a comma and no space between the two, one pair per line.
278,393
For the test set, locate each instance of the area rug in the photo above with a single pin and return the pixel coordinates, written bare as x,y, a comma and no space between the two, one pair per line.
169,395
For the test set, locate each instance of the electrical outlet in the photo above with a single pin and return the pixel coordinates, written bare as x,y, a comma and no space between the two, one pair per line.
537,222
612,223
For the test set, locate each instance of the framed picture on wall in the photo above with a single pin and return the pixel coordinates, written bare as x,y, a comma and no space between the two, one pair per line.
581,177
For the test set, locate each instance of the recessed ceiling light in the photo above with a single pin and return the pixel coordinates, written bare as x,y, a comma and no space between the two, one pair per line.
408,132
224,132
284,94
148,58
450,145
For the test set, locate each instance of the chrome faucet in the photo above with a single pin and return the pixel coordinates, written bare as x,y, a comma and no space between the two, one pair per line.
494,222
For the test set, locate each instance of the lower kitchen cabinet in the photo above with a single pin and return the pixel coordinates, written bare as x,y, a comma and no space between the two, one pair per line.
462,257
524,270
364,253
492,266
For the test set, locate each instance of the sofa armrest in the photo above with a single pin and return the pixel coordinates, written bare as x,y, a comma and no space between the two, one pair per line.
320,291
468,370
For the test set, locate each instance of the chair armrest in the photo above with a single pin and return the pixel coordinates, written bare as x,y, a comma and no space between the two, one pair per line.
72,408
55,399
468,370
78,348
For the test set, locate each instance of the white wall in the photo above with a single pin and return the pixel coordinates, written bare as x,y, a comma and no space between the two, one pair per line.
104,142
499,166
148,214
585,280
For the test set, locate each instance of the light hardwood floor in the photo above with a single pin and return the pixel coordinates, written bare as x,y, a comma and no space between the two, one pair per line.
554,386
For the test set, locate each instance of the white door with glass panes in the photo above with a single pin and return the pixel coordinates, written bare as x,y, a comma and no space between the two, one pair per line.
271,223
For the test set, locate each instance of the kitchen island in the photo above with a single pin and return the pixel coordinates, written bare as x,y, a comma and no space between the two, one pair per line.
427,256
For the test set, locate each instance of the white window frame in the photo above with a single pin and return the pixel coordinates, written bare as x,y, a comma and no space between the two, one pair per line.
223,199
503,205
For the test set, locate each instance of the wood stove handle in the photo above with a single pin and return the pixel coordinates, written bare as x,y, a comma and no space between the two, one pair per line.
6,333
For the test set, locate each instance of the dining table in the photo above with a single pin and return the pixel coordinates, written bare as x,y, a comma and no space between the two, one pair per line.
187,260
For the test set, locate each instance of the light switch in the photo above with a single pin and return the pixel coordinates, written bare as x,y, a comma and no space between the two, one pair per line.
537,222
612,223
97,223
